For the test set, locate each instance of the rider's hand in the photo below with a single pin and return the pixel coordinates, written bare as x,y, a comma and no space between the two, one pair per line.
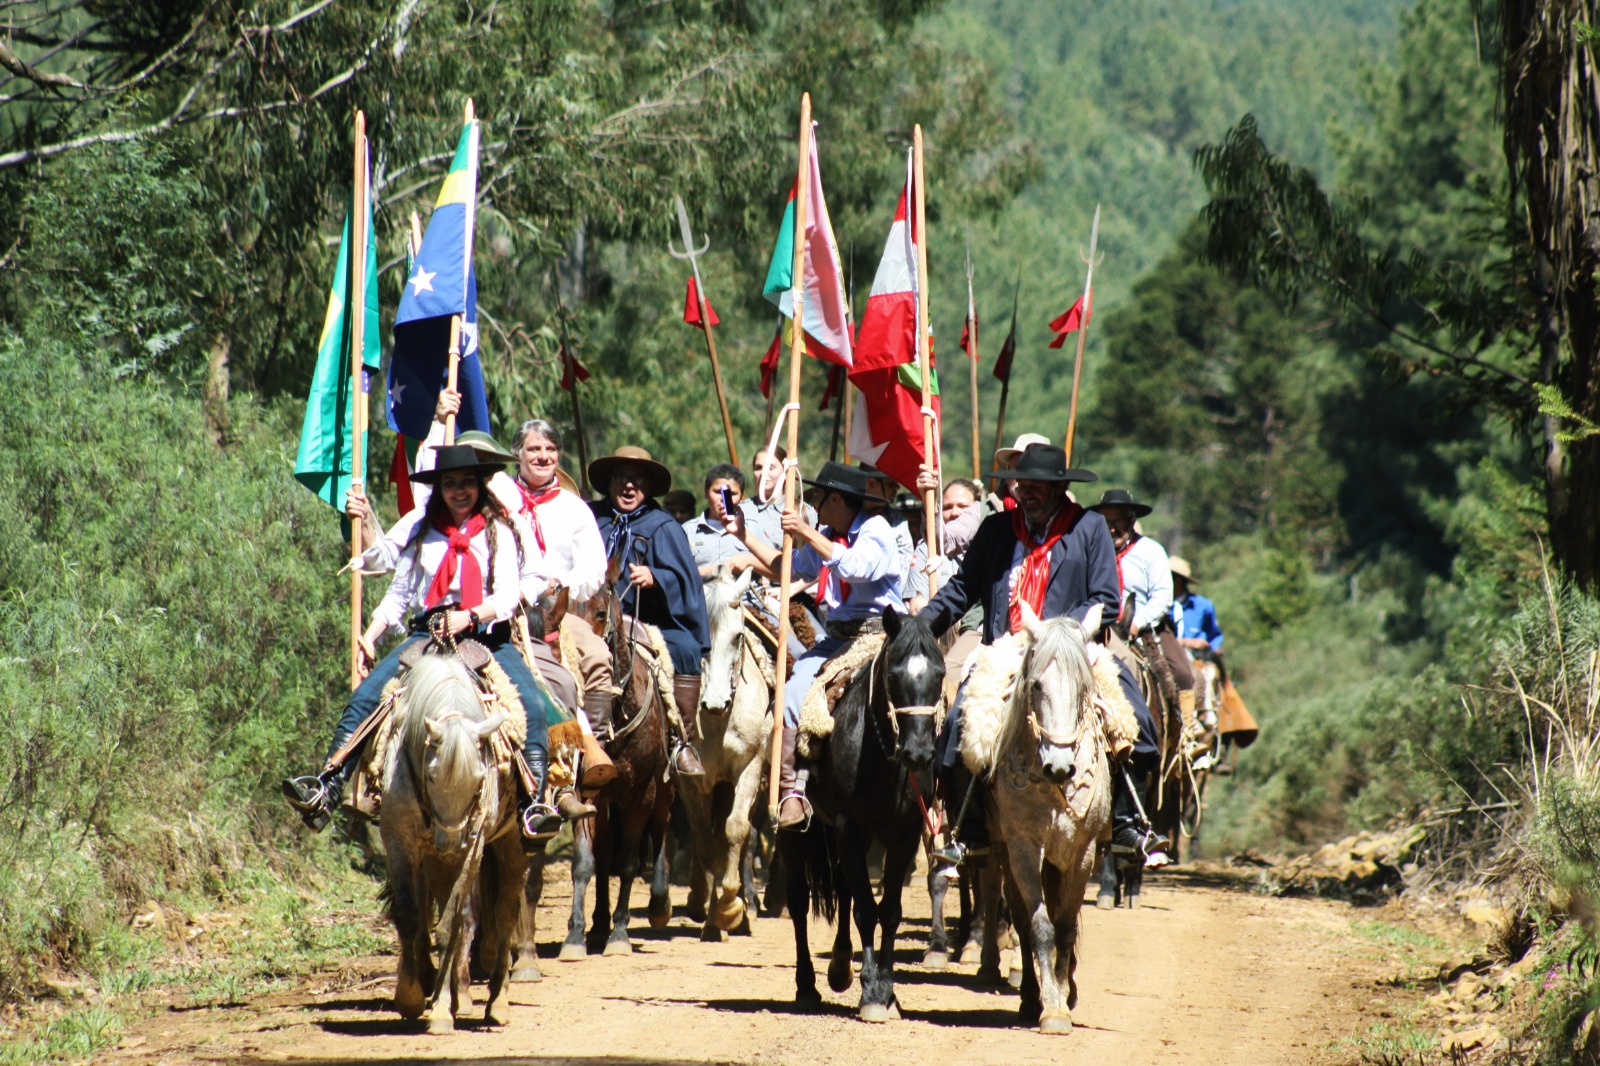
458,622
732,521
794,522
639,576
367,658
355,505
927,481
449,403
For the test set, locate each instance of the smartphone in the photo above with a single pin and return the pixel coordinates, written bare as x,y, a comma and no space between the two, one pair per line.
727,499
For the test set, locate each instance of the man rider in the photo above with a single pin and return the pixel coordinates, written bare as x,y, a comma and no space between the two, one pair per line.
1058,557
857,562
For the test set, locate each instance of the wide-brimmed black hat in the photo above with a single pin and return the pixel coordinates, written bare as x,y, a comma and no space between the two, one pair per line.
850,480
1122,498
906,503
452,458
1044,462
600,469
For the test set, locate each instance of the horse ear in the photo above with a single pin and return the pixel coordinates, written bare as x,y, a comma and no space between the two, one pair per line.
1030,620
891,622
741,584
435,734
1091,620
488,725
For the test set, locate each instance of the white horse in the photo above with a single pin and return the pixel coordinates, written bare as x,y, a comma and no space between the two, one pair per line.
735,726
445,804
1050,791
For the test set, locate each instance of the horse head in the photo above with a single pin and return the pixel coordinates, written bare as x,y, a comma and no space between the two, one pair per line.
1054,687
913,672
723,595
445,728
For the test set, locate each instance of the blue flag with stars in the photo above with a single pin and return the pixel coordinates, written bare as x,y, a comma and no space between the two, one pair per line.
441,284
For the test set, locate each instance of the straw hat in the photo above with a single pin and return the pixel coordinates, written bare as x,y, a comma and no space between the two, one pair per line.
600,469
1004,457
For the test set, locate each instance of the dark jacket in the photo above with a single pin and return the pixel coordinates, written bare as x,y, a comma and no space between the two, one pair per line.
651,536
1083,572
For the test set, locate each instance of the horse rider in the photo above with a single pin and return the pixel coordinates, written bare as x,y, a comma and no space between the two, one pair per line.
1058,558
1194,615
881,502
857,562
571,559
1144,570
657,581
457,569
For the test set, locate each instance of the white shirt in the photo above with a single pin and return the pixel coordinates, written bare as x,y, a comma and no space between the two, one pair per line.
416,565
1148,575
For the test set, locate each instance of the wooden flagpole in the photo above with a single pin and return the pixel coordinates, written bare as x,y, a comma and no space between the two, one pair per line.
1083,332
972,362
791,470
930,505
455,320
1005,383
849,417
356,308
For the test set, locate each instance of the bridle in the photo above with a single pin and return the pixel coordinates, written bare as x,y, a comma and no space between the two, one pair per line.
892,744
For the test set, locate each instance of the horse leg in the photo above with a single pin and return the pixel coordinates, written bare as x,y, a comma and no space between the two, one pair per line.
793,847
1030,1008
731,912
573,947
626,854
1055,1015
606,864
876,994
986,908
841,970
1068,918
525,937
896,864
697,811
937,957
407,909
660,909
501,917
962,940
1110,893
747,885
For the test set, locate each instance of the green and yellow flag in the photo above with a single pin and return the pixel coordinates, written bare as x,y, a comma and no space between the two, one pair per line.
323,463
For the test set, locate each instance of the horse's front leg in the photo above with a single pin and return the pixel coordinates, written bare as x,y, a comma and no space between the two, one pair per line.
1022,895
896,865
697,811
841,969
793,847
877,992
660,910
986,916
937,957
525,939
408,909
573,947
502,911
732,913
1055,1015
625,855
606,840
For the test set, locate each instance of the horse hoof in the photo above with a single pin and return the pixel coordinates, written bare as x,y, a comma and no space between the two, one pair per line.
1106,901
526,974
1055,1024
1030,1013
498,1013
989,975
808,999
878,1012
660,919
619,947
710,934
695,910
1014,978
969,954
839,975
441,1025
743,928
573,952
936,960
729,912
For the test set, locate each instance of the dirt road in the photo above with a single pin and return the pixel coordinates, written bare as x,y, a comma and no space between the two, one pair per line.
1204,972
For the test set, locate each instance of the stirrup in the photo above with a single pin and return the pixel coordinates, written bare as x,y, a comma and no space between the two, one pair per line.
795,827
539,822
307,793
952,854
681,772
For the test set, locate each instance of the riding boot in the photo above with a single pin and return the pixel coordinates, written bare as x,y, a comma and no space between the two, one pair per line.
539,821
317,796
795,810
686,694
968,836
598,769
570,806
1131,834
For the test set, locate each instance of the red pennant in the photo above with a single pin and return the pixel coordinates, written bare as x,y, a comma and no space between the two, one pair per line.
966,335
572,371
691,306
835,385
1073,319
769,363
400,477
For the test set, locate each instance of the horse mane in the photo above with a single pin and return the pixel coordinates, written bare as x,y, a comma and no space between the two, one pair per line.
719,595
1059,639
436,684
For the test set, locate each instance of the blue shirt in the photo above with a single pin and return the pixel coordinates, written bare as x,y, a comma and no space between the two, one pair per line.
869,562
710,542
1196,619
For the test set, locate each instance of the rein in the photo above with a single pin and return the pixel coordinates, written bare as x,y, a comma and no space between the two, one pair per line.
894,712
1032,773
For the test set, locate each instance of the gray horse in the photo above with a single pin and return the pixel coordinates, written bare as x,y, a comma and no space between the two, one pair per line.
1050,796
448,823
736,725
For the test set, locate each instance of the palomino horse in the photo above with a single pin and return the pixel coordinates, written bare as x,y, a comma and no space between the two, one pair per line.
735,724
633,808
1050,792
448,822
869,781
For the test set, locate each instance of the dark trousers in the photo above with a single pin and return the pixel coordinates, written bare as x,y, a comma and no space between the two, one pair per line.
685,651
365,699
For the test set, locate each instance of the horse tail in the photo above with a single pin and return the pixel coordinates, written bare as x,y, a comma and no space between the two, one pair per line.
819,872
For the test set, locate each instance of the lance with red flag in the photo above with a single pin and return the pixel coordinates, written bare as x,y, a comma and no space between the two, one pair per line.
1082,327
969,343
697,312
1002,366
573,372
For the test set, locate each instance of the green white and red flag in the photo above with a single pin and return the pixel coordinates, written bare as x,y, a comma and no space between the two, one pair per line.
826,310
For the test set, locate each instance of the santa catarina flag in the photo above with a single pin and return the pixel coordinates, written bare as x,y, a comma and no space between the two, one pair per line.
826,310
887,428
327,437
441,284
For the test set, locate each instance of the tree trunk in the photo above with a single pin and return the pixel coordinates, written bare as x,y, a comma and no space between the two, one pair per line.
214,397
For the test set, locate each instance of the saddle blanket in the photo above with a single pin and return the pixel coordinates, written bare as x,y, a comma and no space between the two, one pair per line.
816,712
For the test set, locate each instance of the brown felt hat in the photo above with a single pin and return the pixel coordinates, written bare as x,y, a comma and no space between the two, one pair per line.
600,469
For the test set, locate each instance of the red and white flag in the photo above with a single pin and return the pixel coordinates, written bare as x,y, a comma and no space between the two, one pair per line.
887,428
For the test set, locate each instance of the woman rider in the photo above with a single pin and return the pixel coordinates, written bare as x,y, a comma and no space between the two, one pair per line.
458,567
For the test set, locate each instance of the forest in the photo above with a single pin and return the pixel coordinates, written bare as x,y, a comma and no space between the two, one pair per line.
1345,336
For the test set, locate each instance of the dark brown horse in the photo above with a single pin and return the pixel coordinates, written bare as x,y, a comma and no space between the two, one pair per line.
633,809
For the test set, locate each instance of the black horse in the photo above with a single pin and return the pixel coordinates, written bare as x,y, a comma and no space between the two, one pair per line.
870,780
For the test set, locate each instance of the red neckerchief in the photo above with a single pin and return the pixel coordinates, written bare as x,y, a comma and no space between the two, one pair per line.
844,586
531,501
1121,590
1035,574
458,555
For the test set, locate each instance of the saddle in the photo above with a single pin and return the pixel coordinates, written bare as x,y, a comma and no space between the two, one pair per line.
816,712
470,652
